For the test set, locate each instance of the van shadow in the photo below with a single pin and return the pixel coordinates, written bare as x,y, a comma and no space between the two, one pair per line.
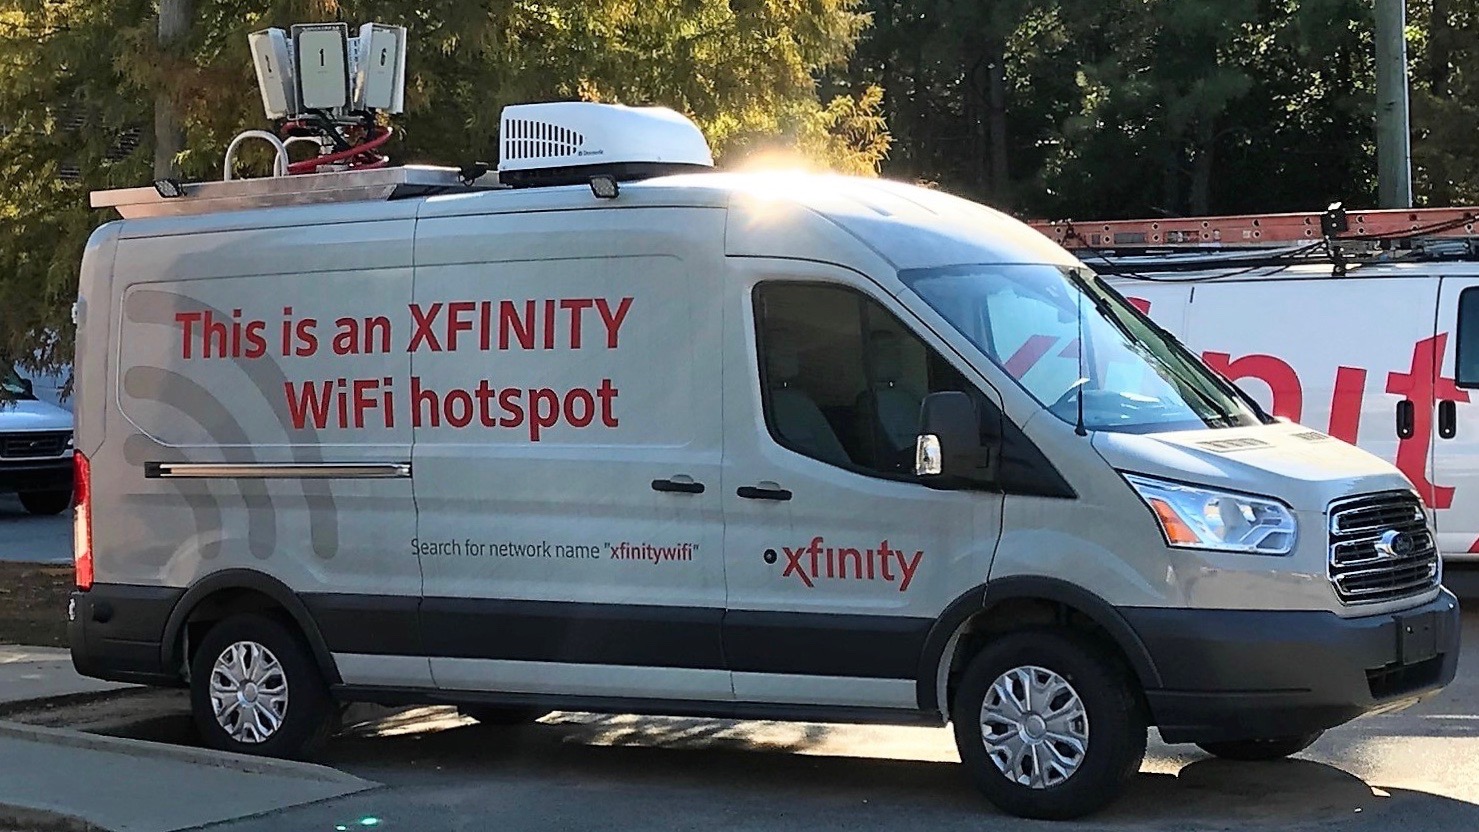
755,765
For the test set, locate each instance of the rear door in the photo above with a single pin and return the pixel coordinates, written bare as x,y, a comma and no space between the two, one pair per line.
252,426
565,396
1456,446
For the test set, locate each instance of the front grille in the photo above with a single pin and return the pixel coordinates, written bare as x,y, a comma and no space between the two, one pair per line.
30,445
1381,548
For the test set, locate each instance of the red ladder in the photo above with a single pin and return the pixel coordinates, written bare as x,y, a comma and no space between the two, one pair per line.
1259,229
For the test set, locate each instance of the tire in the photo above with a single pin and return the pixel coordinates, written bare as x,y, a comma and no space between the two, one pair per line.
503,715
1260,751
1111,732
305,714
46,502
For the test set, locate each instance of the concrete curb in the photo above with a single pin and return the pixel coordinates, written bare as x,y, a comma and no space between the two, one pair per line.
20,817
194,756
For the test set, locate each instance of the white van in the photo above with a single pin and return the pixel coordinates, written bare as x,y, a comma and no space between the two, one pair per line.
1381,354
35,446
707,444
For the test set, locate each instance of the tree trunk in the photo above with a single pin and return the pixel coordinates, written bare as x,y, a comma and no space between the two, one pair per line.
1201,169
1440,49
169,140
1001,185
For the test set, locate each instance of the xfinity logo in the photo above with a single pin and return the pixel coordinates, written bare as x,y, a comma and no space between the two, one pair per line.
814,562
1395,544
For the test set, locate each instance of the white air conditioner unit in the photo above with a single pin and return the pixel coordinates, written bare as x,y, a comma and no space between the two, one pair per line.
552,138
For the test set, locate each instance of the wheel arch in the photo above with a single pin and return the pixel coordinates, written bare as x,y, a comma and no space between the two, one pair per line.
231,585
984,604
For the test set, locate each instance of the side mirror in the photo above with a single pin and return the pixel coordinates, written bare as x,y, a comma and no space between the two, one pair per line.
949,442
27,386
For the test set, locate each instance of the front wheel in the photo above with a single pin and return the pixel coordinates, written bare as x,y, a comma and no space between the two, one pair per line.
256,689
1259,751
1048,726
45,503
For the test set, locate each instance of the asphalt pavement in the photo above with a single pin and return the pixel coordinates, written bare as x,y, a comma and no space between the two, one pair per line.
25,538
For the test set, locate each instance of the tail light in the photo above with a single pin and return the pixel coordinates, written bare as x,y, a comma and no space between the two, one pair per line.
82,519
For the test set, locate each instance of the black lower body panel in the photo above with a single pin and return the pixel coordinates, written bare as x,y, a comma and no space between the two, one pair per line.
47,475
117,632
1235,674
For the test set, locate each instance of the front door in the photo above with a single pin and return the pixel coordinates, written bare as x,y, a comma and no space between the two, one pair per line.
839,560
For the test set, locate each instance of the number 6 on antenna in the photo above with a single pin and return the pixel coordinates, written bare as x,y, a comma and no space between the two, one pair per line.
380,71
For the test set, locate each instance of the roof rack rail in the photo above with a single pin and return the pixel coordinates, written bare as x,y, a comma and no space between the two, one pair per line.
168,198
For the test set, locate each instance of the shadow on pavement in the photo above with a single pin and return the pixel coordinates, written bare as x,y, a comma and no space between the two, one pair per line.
695,772
724,760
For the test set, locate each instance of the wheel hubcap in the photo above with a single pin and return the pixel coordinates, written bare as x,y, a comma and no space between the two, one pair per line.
1034,727
249,692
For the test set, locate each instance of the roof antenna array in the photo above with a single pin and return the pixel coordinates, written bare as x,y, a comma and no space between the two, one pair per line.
331,89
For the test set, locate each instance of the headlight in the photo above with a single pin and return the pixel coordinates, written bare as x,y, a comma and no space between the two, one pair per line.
1200,518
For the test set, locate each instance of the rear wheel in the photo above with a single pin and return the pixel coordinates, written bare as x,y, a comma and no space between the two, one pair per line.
1257,751
503,715
1048,726
256,689
46,502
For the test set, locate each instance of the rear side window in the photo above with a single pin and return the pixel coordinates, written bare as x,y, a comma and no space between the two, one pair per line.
1466,371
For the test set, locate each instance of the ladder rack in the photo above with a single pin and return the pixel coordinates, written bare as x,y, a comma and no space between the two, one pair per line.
1273,230
169,198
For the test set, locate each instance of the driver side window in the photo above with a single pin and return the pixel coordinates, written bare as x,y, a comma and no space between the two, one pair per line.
842,379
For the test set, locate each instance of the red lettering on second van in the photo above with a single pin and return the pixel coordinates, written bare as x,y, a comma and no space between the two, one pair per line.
1027,355
1423,386
1345,403
1276,373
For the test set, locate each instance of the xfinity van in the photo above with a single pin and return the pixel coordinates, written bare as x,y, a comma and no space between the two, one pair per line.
35,446
611,431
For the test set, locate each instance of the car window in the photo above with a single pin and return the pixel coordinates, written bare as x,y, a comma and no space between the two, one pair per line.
842,379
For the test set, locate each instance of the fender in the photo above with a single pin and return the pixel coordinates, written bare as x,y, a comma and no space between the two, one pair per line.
1030,587
258,582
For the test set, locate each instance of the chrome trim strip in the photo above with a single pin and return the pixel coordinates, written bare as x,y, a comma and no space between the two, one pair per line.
277,470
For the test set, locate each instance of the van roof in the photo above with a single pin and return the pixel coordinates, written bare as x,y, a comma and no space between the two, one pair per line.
907,225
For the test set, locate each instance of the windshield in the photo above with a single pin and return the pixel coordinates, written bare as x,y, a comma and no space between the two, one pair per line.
1132,375
11,386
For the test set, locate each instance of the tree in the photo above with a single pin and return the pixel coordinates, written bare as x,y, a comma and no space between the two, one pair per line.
1117,108
1444,40
77,76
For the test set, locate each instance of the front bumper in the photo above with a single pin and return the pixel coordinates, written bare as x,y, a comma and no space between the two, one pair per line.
1246,674
36,475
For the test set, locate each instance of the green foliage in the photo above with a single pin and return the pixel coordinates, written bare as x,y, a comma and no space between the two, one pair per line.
76,75
1122,108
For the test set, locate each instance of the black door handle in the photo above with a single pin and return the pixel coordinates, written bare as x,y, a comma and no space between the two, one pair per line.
1406,419
1448,418
678,487
750,492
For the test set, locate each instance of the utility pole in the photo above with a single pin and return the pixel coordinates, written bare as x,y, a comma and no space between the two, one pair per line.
174,22
1393,135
